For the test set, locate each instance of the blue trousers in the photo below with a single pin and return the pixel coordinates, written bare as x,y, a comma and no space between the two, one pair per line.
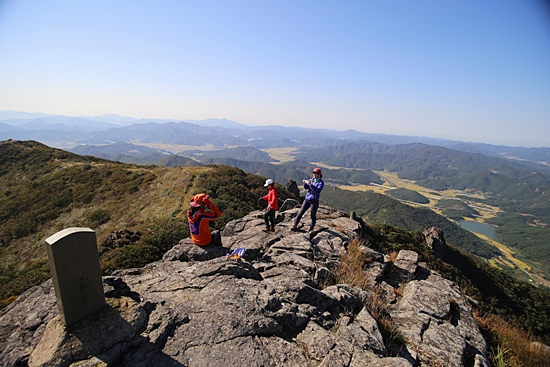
314,205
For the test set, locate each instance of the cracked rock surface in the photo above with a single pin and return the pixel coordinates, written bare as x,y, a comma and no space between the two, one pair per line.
195,307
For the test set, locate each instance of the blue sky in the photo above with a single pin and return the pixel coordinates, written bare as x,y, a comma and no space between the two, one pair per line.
471,70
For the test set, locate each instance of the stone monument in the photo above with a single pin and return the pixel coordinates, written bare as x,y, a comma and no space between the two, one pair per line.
76,275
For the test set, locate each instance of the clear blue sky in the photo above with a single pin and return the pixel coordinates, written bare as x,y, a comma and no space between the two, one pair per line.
472,70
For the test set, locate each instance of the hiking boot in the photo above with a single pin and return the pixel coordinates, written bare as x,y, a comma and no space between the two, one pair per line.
266,229
272,229
294,228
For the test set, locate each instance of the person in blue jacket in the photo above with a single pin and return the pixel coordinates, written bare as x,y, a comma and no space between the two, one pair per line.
313,186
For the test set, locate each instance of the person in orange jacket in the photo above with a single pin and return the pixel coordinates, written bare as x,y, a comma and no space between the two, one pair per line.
199,219
272,206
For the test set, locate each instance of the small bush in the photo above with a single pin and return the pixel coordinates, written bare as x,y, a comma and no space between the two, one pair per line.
164,233
99,217
135,256
13,286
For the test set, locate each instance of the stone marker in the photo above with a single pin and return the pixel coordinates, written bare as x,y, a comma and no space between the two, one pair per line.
76,275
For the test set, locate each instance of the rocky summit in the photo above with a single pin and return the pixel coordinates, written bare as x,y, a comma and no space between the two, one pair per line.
279,306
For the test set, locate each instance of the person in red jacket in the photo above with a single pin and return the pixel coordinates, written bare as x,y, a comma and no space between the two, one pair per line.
199,219
272,206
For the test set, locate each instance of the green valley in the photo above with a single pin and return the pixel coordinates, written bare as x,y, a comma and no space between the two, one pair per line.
457,204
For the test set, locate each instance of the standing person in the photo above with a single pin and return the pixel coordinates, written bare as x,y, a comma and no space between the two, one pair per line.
313,186
272,206
199,219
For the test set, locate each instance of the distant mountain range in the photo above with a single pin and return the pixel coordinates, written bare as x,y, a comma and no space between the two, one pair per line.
63,131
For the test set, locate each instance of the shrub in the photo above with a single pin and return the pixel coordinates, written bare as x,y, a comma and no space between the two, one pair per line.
13,285
99,217
164,233
135,256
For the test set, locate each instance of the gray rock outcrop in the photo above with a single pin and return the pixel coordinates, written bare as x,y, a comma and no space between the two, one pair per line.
280,306
292,187
435,239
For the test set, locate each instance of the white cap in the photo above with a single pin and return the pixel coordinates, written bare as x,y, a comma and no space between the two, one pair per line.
268,182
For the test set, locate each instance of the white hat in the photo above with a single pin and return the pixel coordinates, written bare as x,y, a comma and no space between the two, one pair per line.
268,182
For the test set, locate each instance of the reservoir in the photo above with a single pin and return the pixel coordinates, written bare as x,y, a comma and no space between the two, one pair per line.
483,228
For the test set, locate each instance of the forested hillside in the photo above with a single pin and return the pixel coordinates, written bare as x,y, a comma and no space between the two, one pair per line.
381,209
239,153
512,186
408,195
297,170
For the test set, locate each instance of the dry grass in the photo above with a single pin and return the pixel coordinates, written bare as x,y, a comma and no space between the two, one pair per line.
400,289
377,303
393,257
511,346
338,228
351,272
351,266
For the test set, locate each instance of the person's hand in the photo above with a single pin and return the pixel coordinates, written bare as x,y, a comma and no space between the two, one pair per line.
206,201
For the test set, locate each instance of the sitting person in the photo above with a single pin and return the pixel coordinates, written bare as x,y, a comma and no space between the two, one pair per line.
199,219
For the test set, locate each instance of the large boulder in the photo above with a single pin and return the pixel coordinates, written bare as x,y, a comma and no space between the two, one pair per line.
438,323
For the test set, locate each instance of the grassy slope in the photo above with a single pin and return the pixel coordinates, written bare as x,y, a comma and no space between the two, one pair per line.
45,190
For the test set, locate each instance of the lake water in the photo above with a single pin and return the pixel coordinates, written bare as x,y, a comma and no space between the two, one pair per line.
483,228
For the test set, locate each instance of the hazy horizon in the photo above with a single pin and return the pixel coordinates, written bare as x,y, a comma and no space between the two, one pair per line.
126,123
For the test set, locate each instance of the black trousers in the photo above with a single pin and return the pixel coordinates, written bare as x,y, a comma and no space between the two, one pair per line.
269,218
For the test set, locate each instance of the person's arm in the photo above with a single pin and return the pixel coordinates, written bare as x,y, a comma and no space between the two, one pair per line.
215,212
275,205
